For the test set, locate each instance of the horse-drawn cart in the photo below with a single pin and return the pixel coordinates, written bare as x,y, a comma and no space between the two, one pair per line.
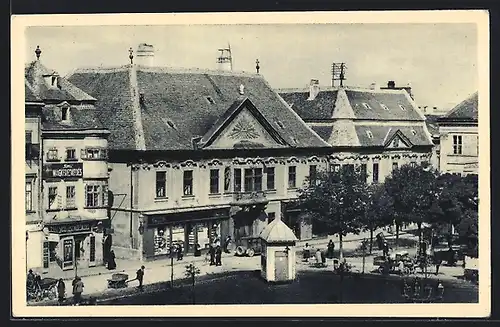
118,280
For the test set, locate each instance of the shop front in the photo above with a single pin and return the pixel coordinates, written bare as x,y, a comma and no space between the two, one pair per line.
297,220
73,245
185,229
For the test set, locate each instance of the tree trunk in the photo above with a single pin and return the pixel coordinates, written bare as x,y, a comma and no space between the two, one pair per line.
371,239
419,228
397,235
341,251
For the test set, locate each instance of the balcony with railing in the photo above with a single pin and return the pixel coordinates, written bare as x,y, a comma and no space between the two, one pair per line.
249,198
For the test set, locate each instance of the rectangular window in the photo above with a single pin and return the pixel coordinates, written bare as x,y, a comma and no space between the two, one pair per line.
188,182
237,180
95,154
70,196
161,184
375,172
413,164
292,177
29,137
29,196
271,185
52,155
394,166
92,196
214,181
52,197
348,168
362,169
313,172
70,154
227,179
457,144
271,216
334,168
104,189
253,179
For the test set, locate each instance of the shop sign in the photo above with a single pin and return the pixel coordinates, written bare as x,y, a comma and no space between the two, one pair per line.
64,170
73,228
188,216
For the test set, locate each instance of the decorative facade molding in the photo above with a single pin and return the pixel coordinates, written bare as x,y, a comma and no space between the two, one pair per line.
292,160
142,165
162,164
271,161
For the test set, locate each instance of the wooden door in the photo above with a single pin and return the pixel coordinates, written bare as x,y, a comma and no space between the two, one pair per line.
68,253
281,265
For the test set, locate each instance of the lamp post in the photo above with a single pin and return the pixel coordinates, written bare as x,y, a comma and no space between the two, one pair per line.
26,250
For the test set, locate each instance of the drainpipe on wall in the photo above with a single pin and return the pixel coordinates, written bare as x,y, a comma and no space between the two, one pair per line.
131,206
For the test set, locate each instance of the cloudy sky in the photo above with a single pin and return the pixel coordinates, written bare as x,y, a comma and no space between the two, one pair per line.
439,60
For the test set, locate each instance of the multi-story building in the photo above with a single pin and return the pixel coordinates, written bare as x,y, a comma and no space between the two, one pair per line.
33,184
73,207
433,127
197,154
377,129
459,136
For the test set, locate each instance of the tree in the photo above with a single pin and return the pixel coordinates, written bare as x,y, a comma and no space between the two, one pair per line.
413,190
379,211
336,201
191,272
468,230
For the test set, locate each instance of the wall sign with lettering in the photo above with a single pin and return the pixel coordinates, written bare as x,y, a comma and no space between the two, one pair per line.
73,228
63,170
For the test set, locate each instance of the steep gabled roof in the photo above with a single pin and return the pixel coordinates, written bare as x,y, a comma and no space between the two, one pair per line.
29,94
416,135
321,107
79,119
35,73
166,108
465,110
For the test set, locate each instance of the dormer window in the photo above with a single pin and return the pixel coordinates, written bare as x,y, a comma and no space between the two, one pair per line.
53,81
366,105
280,124
294,140
210,100
65,113
395,143
402,107
384,107
369,134
413,132
169,123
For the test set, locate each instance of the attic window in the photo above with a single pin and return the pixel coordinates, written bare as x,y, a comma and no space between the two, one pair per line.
366,105
294,140
210,100
402,107
369,134
54,81
65,113
280,124
169,123
413,132
384,106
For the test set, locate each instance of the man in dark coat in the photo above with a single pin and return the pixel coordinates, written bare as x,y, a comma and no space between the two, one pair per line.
77,290
111,260
331,249
212,254
61,290
218,255
140,277
180,255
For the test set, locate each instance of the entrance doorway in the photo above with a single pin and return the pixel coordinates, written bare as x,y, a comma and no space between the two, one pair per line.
281,265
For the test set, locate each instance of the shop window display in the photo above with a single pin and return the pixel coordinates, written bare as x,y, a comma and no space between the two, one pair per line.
161,241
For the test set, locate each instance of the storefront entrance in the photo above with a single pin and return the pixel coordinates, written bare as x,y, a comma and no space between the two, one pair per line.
186,230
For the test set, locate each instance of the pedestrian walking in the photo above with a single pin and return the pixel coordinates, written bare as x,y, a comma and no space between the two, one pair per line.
306,253
317,256
212,254
331,249
140,277
111,260
385,249
226,243
218,256
61,291
180,255
439,289
438,264
77,290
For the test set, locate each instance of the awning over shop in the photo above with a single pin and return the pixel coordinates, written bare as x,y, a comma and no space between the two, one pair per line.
195,215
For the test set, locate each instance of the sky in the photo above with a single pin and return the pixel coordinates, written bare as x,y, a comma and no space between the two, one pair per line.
439,60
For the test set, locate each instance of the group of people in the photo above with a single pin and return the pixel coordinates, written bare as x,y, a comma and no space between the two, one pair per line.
215,251
418,290
320,256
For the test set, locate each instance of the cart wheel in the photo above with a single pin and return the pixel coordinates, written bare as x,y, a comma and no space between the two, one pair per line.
51,294
250,252
380,270
240,251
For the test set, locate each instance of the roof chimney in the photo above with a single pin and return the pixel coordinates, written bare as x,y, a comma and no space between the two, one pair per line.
145,55
313,89
225,60
391,84
374,86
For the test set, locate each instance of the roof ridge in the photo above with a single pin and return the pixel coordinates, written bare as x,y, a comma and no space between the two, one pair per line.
97,69
161,69
457,106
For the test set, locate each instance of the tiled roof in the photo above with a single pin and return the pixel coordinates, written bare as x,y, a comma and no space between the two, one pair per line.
277,231
466,109
80,119
432,124
34,73
382,134
29,94
323,131
178,105
391,99
320,108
